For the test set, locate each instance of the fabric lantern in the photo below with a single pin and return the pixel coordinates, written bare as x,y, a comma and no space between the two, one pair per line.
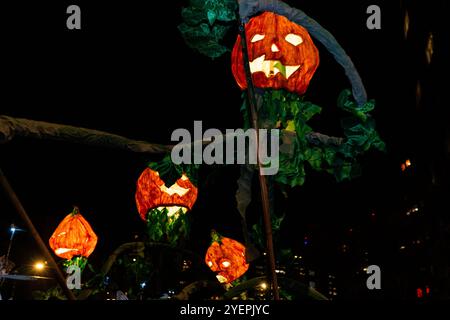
73,237
152,193
226,257
282,54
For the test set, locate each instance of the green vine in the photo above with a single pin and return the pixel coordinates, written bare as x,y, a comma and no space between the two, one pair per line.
290,113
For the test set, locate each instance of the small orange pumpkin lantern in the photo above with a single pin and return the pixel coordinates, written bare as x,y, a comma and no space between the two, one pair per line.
226,257
73,237
152,193
281,54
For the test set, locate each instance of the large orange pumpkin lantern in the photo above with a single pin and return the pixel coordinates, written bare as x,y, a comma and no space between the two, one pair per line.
152,193
73,237
281,54
226,257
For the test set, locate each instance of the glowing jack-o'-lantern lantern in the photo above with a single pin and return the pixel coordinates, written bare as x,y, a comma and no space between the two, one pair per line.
73,237
281,54
226,257
152,193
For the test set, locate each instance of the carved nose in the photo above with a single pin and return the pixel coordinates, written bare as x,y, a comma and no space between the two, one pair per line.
275,48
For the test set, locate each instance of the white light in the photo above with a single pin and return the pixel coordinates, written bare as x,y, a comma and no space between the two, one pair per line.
134,260
294,39
143,284
257,37
13,229
226,264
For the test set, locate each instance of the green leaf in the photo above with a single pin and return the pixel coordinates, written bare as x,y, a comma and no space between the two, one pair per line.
197,20
309,110
281,67
192,16
314,157
211,17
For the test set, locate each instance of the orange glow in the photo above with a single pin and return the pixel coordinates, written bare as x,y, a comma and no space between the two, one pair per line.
281,53
39,266
408,163
226,257
153,193
73,237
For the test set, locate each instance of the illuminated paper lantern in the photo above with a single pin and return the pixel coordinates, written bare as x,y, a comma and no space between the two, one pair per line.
282,54
73,237
152,193
226,257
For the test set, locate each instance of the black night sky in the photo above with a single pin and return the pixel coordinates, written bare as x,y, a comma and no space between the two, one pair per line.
129,72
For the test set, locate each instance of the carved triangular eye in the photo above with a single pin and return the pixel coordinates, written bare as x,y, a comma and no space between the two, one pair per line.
257,37
294,39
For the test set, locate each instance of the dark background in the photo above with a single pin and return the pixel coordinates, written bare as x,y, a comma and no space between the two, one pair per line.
129,72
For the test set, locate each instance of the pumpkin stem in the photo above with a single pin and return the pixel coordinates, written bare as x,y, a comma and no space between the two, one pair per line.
215,236
75,211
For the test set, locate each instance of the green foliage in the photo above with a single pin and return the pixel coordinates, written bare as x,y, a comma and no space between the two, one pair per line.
161,228
205,24
289,112
78,261
170,172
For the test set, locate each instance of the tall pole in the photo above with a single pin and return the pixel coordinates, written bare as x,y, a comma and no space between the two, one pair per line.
262,178
30,226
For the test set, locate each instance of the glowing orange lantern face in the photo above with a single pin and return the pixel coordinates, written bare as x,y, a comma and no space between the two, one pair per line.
226,257
281,54
152,193
73,237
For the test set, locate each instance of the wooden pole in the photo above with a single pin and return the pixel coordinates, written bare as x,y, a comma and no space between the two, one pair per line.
30,226
262,178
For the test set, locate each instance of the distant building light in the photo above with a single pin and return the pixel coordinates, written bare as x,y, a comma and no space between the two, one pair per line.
408,163
429,51
402,248
419,293
406,24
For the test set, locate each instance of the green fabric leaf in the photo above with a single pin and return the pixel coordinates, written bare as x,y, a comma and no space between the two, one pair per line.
293,113
192,16
161,228
205,24
170,173
211,17
309,110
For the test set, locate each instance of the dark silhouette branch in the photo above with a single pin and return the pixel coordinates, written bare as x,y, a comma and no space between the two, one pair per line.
14,127
11,128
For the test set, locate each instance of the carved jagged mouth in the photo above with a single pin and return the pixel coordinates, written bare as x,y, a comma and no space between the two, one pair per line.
272,67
